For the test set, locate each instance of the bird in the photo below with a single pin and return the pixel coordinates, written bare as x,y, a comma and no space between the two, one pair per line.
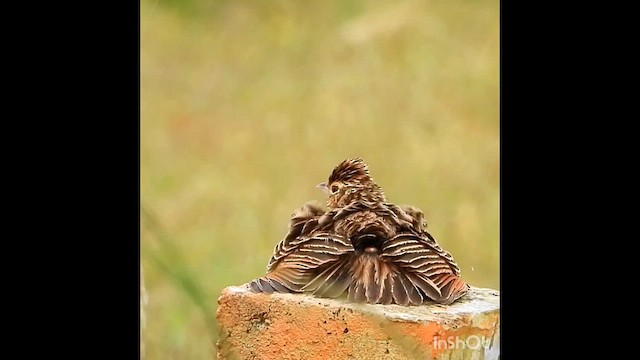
361,247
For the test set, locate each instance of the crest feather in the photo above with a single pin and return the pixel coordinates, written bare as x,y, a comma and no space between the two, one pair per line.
349,169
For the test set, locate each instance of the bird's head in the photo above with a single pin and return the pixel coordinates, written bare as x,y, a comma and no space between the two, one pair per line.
350,181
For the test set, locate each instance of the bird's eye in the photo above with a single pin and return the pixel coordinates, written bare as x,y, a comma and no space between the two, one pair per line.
334,189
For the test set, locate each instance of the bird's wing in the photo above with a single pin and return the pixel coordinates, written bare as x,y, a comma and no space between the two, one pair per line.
324,258
417,217
424,269
409,215
302,222
311,263
304,257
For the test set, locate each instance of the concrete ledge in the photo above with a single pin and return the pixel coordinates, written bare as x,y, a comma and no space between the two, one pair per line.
296,326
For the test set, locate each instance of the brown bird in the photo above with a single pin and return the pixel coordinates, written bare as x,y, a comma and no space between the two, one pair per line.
362,247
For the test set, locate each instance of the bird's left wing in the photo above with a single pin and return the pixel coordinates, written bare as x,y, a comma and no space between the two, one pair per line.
304,256
302,222
313,263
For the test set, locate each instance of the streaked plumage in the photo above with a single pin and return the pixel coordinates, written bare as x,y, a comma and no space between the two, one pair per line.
362,248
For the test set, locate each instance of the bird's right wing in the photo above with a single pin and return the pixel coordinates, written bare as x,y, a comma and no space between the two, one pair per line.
410,217
423,269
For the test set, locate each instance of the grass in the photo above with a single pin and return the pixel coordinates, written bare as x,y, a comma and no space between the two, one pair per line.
245,106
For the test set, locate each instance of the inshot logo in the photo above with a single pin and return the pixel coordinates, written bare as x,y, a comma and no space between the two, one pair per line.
472,342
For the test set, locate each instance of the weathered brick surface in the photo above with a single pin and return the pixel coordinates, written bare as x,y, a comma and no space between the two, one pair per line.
294,326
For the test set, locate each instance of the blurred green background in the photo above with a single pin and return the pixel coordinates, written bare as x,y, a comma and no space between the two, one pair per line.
247,105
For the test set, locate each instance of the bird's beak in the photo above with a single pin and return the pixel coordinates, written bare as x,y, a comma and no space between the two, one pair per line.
323,186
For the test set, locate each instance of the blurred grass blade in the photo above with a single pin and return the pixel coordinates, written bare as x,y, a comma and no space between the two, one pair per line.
168,258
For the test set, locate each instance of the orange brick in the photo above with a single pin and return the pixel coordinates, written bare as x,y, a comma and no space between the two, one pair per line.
295,326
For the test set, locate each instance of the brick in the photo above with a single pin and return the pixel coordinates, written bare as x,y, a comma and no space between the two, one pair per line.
297,326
